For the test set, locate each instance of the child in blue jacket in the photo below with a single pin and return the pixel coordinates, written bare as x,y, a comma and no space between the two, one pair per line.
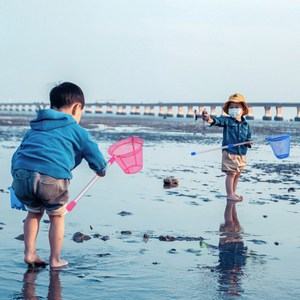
235,130
41,167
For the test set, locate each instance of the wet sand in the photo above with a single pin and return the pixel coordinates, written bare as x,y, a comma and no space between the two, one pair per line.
143,241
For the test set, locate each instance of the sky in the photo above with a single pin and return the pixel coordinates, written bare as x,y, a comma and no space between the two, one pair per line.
151,50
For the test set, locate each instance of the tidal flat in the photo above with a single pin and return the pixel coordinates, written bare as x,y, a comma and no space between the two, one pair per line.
145,241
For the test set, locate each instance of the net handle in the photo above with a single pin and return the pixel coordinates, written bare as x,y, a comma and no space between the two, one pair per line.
224,147
73,203
268,139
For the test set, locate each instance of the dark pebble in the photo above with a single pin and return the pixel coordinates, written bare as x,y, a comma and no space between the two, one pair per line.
265,216
258,242
91,227
20,237
86,237
146,237
126,232
155,263
124,213
79,237
172,251
167,238
46,221
103,254
105,238
276,243
291,189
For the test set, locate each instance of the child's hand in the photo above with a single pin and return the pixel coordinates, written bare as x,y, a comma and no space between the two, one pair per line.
101,174
206,117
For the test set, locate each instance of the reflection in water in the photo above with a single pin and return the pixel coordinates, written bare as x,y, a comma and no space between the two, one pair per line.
232,252
29,284
54,290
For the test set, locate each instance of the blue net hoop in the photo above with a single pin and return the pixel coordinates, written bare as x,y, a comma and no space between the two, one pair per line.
280,145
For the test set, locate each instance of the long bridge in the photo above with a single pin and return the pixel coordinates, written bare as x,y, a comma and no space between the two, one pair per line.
173,109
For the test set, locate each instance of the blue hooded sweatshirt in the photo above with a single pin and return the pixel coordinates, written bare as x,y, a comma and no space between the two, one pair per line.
55,145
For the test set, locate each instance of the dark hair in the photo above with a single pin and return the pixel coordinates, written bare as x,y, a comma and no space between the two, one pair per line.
66,94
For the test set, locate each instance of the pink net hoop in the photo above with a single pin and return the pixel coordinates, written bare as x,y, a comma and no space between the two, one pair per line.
128,153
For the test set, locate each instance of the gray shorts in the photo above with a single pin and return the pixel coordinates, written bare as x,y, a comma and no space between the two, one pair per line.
39,192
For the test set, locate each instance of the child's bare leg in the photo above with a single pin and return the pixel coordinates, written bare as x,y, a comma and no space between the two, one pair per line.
229,183
56,235
31,229
235,183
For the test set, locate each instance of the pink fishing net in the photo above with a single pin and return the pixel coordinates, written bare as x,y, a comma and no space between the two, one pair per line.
128,153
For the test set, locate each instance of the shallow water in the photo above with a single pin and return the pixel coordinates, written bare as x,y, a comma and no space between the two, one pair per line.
126,266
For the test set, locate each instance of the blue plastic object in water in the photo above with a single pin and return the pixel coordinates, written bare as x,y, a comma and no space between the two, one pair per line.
14,201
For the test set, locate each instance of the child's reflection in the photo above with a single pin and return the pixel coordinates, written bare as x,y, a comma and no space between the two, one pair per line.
232,252
29,284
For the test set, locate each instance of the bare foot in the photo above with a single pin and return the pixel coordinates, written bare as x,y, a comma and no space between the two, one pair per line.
234,198
240,197
58,263
34,261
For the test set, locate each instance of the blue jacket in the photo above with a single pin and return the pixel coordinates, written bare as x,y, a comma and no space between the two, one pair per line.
55,145
234,132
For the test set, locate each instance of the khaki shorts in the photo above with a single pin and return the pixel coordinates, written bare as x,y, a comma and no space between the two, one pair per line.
39,192
233,163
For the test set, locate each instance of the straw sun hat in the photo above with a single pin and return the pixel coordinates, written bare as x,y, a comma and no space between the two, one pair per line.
237,98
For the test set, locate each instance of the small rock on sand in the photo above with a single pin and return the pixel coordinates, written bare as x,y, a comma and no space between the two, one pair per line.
79,237
124,213
170,182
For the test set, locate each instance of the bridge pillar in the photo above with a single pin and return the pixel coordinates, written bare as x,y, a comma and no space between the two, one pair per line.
88,109
121,110
135,110
297,119
278,116
161,111
180,113
250,115
170,111
267,116
201,110
213,111
151,113
147,110
109,109
98,109
190,112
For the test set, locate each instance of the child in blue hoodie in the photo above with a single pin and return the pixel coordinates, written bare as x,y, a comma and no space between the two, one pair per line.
42,164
